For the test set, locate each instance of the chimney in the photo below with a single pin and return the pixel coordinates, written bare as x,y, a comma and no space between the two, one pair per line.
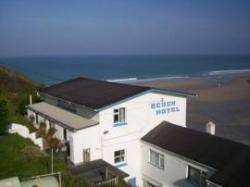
30,97
210,128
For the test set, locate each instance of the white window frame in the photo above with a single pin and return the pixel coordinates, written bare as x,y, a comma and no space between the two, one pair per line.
160,162
121,114
86,155
123,156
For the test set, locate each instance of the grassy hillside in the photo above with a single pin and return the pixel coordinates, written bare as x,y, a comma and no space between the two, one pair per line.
14,96
13,84
19,156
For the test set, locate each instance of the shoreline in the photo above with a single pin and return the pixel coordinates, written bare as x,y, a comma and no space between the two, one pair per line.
225,100
207,75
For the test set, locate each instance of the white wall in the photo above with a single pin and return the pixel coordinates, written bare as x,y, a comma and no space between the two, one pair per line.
84,139
175,168
131,146
141,118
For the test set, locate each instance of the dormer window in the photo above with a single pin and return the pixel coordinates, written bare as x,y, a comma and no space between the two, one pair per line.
66,105
196,177
120,116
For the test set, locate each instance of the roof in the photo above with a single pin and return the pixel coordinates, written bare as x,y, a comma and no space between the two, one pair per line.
66,118
95,170
10,182
49,181
92,93
230,159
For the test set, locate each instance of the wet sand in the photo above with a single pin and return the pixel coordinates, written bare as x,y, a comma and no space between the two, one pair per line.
225,101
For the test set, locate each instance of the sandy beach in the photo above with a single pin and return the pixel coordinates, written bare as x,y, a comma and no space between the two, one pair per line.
225,101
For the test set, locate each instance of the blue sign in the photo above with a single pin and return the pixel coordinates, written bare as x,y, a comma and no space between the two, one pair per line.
165,107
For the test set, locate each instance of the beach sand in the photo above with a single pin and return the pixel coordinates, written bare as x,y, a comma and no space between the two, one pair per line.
225,101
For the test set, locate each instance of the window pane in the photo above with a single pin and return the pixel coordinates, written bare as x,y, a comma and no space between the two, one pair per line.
194,176
117,160
122,114
154,157
162,162
119,115
118,153
203,180
116,119
119,156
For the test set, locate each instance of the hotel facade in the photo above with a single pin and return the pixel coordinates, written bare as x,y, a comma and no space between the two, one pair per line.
138,130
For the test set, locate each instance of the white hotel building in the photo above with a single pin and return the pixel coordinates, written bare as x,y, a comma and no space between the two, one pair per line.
138,130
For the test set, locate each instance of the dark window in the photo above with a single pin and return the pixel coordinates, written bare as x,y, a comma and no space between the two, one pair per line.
119,156
36,118
147,184
86,155
196,177
120,115
66,105
64,133
51,124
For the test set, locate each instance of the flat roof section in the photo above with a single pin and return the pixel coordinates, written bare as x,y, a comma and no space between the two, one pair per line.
97,171
66,118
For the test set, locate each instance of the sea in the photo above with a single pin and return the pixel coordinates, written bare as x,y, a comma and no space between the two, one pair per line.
127,68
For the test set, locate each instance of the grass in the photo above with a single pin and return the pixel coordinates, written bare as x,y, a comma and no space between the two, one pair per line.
20,157
24,121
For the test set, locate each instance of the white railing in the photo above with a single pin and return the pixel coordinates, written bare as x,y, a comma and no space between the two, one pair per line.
109,182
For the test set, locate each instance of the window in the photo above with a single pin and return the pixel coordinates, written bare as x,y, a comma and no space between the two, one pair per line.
156,159
119,156
66,105
64,133
86,155
147,184
51,124
120,115
196,177
36,118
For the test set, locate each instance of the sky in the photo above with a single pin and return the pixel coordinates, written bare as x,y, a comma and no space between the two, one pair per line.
93,27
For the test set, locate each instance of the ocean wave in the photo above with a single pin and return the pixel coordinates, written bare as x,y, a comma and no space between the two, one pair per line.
226,72
123,79
136,79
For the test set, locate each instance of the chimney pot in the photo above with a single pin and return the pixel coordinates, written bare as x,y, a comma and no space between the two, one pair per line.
210,127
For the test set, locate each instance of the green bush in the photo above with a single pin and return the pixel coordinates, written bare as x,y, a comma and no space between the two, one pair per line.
4,115
42,125
23,101
70,181
51,131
